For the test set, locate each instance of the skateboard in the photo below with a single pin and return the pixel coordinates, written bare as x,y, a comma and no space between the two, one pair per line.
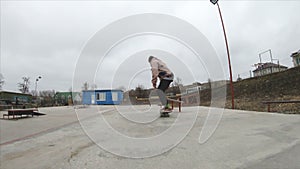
165,113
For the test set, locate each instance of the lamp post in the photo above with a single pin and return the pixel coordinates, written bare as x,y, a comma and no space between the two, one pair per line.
228,55
36,80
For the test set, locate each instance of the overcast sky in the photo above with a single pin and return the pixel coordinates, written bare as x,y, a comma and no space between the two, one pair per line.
47,39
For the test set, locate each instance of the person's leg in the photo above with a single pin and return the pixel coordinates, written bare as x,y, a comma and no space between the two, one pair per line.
162,87
164,84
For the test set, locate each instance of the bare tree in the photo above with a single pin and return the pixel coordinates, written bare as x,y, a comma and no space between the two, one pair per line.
47,93
122,88
177,81
209,83
239,78
93,86
47,97
85,86
1,81
140,91
33,93
24,86
140,86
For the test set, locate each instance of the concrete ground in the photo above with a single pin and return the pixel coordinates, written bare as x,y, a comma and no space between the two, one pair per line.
243,139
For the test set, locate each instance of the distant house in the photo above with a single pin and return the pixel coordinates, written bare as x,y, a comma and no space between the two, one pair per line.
15,98
296,58
268,68
12,98
191,99
195,87
67,98
191,93
102,97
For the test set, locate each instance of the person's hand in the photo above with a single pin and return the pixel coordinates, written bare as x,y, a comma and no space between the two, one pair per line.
154,86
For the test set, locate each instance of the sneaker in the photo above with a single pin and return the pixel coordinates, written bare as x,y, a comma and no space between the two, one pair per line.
168,107
164,109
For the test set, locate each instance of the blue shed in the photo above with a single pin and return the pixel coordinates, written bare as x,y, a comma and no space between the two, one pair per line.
102,97
88,97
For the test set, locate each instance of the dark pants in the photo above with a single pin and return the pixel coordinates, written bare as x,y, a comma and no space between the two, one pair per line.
162,87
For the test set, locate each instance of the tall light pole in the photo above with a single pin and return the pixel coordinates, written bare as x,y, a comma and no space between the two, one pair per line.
228,55
36,81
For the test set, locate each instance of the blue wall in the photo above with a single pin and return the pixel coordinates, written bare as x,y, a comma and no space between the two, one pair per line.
108,97
102,97
86,96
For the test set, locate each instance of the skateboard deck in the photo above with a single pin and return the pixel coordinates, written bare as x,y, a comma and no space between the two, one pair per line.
165,113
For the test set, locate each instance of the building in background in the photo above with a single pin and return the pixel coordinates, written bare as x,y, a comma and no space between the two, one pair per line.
268,68
67,98
102,97
195,87
15,99
88,97
296,58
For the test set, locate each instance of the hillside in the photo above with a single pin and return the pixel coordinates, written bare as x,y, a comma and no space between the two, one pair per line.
249,93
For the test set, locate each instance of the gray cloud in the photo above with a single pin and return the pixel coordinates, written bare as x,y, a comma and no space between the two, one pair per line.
46,38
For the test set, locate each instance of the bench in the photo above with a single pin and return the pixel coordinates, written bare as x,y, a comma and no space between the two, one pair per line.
279,102
175,101
20,112
152,100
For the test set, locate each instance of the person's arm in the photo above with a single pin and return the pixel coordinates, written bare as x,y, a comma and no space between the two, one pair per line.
154,69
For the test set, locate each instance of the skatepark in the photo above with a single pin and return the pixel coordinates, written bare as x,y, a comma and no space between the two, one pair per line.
62,139
150,85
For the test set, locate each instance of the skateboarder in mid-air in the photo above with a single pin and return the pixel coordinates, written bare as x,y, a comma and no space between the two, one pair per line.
160,70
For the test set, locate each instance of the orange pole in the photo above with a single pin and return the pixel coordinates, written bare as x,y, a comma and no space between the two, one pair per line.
179,106
229,63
